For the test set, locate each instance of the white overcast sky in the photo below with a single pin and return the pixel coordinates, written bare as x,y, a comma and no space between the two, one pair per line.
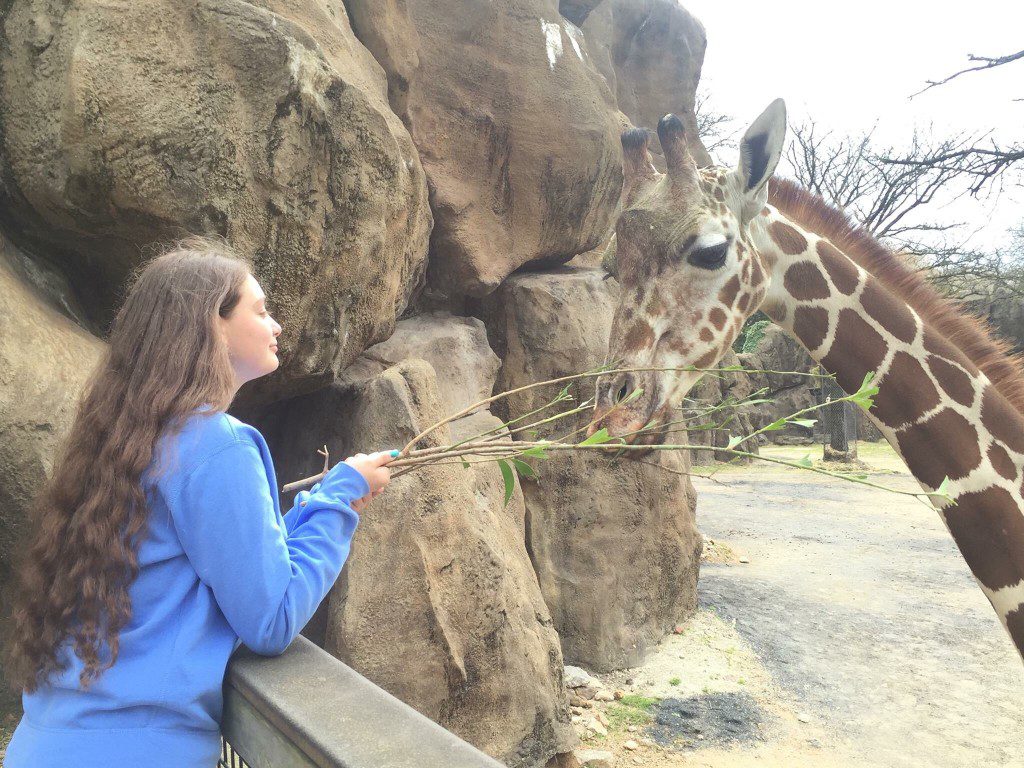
851,65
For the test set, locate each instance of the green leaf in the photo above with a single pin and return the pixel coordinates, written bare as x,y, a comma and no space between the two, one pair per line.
599,437
804,422
537,452
864,397
734,440
943,489
780,424
523,468
805,461
465,464
509,476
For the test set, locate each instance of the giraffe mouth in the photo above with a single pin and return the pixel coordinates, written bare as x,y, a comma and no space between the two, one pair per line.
634,422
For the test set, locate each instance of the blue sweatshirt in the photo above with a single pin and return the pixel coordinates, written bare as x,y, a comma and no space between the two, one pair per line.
219,566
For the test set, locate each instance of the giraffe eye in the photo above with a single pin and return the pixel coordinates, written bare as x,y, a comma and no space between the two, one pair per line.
711,257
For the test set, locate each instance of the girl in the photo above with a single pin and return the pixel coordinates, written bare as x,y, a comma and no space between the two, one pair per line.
158,543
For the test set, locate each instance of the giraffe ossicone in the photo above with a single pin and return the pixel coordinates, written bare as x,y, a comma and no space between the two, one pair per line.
698,250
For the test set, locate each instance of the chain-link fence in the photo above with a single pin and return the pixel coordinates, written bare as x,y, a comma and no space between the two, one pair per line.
838,421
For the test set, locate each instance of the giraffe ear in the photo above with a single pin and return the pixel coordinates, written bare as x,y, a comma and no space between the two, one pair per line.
760,151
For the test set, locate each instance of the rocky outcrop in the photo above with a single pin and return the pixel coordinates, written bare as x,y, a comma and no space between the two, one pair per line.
650,53
715,429
789,392
613,541
516,130
438,603
45,360
123,125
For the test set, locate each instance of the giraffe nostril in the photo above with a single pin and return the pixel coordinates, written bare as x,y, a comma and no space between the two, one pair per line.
624,390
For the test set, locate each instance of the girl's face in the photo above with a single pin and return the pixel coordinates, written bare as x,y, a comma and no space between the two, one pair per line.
251,335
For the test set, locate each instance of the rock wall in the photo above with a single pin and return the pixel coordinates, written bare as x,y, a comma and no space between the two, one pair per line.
127,124
516,129
45,359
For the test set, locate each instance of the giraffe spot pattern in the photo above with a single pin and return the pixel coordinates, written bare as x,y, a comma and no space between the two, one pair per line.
856,349
790,240
988,527
640,336
804,282
1002,462
921,444
744,302
707,360
939,346
745,272
905,394
888,311
841,270
1002,421
706,334
678,345
728,293
756,275
810,324
954,382
717,318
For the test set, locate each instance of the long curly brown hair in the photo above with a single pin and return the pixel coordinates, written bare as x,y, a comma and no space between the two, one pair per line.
165,359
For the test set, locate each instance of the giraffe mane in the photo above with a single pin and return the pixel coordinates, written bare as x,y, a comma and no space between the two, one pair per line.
957,325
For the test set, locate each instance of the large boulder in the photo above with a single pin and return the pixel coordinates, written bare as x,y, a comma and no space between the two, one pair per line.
456,347
267,123
516,130
45,361
614,541
651,53
439,603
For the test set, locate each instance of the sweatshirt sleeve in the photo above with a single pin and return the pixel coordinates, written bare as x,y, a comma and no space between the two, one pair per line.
267,581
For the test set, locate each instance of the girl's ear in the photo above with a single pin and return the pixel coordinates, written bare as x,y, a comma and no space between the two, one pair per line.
760,151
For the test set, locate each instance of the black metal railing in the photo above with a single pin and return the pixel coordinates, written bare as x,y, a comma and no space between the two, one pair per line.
307,709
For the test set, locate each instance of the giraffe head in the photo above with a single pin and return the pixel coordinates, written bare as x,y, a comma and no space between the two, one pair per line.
688,274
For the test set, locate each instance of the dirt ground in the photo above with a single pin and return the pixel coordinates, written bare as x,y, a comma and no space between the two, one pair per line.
853,634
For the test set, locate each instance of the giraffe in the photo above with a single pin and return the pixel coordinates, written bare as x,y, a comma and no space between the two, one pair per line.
697,251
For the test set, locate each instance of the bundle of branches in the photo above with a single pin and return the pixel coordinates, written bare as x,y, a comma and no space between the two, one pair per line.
514,456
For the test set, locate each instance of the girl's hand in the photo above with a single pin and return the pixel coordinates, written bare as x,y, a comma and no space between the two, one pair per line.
374,469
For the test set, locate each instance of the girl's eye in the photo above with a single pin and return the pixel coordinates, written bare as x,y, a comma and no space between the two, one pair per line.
711,257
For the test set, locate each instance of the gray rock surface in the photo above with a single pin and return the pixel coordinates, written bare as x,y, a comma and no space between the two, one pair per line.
517,131
650,53
124,125
45,361
456,347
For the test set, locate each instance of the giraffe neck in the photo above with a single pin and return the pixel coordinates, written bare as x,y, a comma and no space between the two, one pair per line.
934,406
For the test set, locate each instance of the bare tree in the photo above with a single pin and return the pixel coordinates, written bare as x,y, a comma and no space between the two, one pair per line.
982,159
892,201
717,130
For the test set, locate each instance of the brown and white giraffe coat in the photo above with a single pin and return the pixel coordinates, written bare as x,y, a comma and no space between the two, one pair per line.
934,405
949,400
